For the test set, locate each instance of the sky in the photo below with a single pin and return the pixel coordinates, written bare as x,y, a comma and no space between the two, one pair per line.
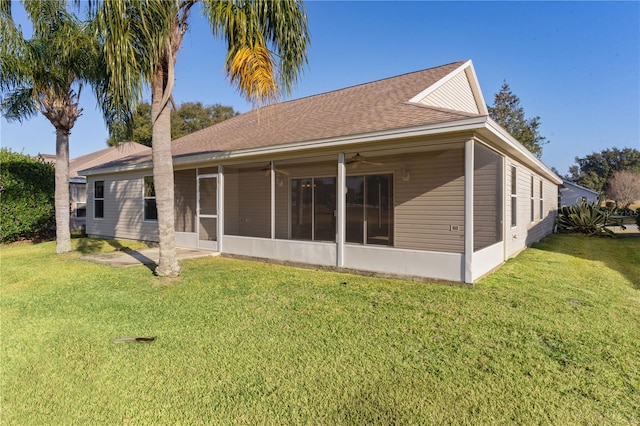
576,65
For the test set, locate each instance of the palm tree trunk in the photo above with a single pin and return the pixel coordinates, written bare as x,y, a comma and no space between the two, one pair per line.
163,176
63,237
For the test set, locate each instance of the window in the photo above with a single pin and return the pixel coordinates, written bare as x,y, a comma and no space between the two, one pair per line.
81,209
313,209
370,209
514,197
98,199
150,210
533,201
541,201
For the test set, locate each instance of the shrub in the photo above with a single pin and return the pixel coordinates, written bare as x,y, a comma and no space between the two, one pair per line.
27,187
638,217
586,218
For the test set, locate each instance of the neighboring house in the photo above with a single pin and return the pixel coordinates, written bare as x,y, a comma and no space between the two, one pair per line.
78,184
572,193
406,176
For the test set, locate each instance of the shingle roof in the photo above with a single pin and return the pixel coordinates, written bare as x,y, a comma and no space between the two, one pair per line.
122,153
370,107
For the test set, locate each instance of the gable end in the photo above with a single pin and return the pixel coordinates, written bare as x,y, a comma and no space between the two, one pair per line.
458,91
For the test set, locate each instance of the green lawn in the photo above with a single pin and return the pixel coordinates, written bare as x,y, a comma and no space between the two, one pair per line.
553,337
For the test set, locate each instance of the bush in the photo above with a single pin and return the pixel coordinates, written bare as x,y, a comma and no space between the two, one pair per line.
586,218
638,217
27,191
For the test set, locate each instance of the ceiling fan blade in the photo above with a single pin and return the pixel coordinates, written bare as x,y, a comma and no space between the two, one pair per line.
371,163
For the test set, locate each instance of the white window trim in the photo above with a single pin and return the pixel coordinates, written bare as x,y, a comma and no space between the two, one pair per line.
541,200
513,195
532,202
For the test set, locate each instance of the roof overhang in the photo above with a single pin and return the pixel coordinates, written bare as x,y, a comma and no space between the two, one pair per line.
483,126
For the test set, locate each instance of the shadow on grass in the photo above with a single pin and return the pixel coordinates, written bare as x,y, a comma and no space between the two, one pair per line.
621,254
97,245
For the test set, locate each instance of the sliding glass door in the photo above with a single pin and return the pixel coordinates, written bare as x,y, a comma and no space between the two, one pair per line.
313,208
370,209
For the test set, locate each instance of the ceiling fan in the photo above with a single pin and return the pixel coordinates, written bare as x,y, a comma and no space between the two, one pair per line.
267,170
358,159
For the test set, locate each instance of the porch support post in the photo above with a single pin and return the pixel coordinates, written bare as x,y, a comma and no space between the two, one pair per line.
341,207
468,211
220,207
272,173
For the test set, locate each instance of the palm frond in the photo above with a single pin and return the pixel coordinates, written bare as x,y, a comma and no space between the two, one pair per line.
253,27
19,105
134,37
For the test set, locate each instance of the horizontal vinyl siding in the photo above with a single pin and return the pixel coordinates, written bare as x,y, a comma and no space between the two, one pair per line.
255,204
527,232
231,201
430,202
123,208
455,94
487,196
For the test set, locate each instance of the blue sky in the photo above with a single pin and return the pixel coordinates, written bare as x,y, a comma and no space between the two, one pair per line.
574,64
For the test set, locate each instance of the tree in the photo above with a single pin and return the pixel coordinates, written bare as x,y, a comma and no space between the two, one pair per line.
45,74
594,170
507,112
266,49
187,118
624,188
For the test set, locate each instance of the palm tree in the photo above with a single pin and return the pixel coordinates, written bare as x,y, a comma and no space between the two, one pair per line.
45,74
266,41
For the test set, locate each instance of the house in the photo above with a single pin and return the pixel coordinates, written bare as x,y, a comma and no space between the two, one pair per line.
77,183
406,176
572,193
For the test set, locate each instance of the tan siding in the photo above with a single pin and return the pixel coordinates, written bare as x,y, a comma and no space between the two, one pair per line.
527,232
123,209
455,94
255,204
487,196
430,202
231,201
185,200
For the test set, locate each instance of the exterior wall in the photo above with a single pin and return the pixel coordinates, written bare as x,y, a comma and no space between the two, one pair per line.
431,203
526,231
455,94
123,208
427,204
247,202
185,200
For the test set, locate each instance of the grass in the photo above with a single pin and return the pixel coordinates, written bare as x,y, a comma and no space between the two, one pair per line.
553,337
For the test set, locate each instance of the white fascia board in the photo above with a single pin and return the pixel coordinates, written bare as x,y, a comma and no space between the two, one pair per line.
468,124
523,154
117,169
475,88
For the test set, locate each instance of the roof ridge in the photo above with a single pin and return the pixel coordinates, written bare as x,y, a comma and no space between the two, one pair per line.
366,83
